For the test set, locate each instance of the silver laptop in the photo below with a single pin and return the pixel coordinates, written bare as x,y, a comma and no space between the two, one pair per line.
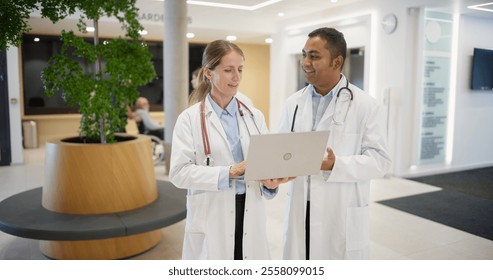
283,155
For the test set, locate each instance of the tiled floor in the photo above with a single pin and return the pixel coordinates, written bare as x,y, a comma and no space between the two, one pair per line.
394,234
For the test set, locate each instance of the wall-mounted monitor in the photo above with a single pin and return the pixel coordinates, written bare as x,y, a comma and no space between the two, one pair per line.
482,69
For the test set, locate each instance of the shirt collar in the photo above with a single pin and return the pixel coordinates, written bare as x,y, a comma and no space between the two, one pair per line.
230,109
334,89
316,94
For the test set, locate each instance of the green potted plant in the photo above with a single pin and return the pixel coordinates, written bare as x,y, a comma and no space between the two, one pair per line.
104,92
97,171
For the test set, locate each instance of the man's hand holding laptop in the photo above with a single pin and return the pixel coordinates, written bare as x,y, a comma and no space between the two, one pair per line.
329,160
238,170
274,183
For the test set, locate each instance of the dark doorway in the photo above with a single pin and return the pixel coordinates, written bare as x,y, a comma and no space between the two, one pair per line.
354,67
5,151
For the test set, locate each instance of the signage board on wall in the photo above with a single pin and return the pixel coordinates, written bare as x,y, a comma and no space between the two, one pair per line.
435,87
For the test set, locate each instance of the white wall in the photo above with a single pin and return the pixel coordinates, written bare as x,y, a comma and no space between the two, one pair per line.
14,107
391,66
473,129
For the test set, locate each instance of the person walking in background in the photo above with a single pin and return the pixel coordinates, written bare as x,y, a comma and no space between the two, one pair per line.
327,214
195,79
226,216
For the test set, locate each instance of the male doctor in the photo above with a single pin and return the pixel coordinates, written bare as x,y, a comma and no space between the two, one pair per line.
327,214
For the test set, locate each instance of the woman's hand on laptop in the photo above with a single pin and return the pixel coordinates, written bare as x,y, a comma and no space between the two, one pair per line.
274,183
237,170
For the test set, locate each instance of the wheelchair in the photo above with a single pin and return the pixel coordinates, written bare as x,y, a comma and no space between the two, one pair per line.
157,144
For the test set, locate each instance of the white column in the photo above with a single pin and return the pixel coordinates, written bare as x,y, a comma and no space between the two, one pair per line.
175,66
13,80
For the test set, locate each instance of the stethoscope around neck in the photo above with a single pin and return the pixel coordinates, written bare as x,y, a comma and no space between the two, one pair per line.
205,137
344,93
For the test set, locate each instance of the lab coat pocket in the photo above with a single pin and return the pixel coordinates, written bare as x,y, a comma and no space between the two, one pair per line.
196,212
357,228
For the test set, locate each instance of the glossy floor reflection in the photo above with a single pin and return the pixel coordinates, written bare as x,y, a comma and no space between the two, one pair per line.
394,234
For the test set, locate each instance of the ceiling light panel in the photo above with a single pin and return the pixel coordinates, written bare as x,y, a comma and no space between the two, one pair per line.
247,5
487,7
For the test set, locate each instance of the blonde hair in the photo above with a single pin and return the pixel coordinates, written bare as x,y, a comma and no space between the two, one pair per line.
211,58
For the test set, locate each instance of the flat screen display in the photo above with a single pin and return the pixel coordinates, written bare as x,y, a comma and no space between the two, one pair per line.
482,69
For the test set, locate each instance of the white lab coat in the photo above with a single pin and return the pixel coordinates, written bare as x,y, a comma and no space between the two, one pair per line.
245,99
210,222
339,227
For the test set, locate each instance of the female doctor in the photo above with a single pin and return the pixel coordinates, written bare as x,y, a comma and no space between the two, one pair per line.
327,214
226,216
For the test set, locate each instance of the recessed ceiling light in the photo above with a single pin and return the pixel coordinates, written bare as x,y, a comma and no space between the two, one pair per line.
36,39
280,14
90,29
231,38
483,7
268,40
190,35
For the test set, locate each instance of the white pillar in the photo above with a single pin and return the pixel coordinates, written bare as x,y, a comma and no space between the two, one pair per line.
14,92
175,66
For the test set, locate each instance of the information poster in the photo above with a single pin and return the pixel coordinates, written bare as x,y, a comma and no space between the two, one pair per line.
435,87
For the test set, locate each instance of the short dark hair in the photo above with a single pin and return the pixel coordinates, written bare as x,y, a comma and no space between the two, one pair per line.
334,41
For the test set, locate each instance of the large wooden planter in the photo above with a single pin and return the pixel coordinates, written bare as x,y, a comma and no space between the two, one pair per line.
98,178
92,179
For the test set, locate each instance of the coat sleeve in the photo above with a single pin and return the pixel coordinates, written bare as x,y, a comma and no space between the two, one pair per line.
373,162
184,171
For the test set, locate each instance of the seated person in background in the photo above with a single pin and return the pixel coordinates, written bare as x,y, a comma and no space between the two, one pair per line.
142,117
